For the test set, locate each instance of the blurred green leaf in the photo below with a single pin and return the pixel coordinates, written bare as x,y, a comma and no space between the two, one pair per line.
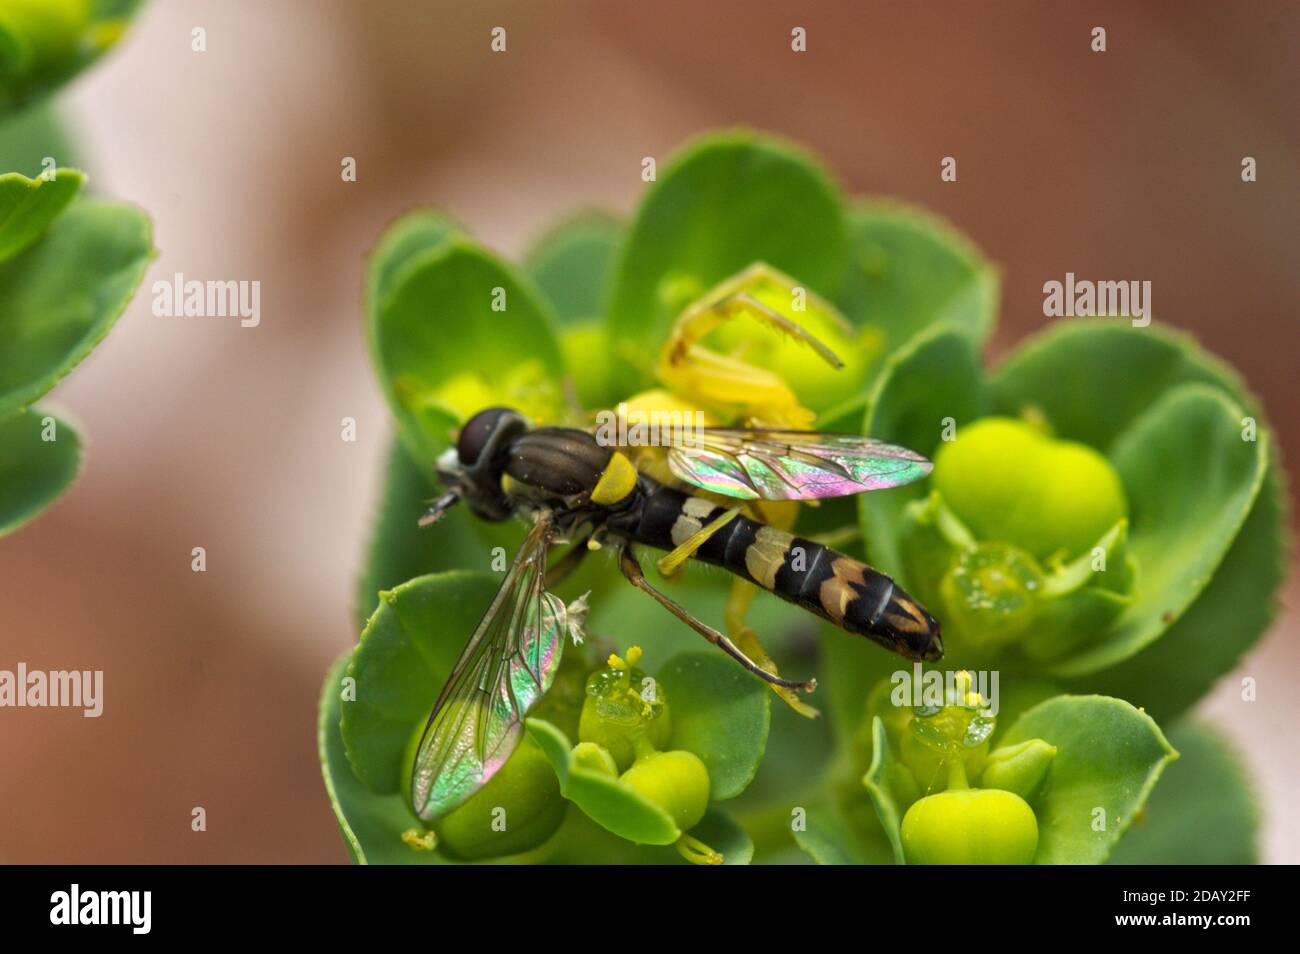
442,350
29,137
911,270
1191,482
1109,756
850,668
45,43
51,324
28,206
1203,813
405,655
722,714
830,840
932,378
571,265
421,230
721,204
34,471
880,786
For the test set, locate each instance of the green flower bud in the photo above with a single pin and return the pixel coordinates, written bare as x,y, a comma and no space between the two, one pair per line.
970,827
519,808
1081,497
594,758
1019,768
986,474
1006,480
676,781
990,596
878,705
625,711
944,745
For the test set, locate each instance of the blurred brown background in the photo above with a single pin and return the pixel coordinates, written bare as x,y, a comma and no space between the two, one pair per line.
1117,165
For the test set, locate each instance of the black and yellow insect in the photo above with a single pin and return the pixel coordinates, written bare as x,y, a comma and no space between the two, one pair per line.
576,490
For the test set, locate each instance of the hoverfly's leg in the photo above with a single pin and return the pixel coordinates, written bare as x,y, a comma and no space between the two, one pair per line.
672,561
631,569
565,565
738,602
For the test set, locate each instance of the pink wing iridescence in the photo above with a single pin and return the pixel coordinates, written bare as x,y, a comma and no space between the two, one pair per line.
506,667
791,465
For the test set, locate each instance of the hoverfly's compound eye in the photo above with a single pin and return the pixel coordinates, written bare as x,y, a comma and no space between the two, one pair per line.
478,430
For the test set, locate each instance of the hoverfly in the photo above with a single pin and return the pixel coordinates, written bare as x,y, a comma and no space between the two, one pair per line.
574,489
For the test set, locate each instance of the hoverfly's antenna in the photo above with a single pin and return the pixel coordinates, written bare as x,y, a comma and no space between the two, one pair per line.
440,506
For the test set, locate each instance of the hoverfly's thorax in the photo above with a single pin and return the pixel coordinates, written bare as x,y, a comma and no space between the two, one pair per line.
557,462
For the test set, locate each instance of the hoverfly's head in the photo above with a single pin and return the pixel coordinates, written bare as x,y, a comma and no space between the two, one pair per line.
484,439
472,469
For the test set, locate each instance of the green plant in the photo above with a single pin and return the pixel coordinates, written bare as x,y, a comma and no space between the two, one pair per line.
68,265
44,43
1143,559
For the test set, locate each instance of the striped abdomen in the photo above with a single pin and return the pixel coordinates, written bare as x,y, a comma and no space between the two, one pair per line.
836,587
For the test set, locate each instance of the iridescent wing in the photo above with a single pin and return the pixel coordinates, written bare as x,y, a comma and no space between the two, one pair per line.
754,463
504,670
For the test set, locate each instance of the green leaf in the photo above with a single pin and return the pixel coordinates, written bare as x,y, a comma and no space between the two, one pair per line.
413,233
45,43
603,798
1109,756
719,713
51,324
720,205
1203,813
371,824
401,550
1092,379
911,270
830,840
28,206
14,52
850,668
1172,673
1191,482
443,353
582,841
880,786
1067,375
34,471
570,265
720,832
405,655
722,714
29,137
934,377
